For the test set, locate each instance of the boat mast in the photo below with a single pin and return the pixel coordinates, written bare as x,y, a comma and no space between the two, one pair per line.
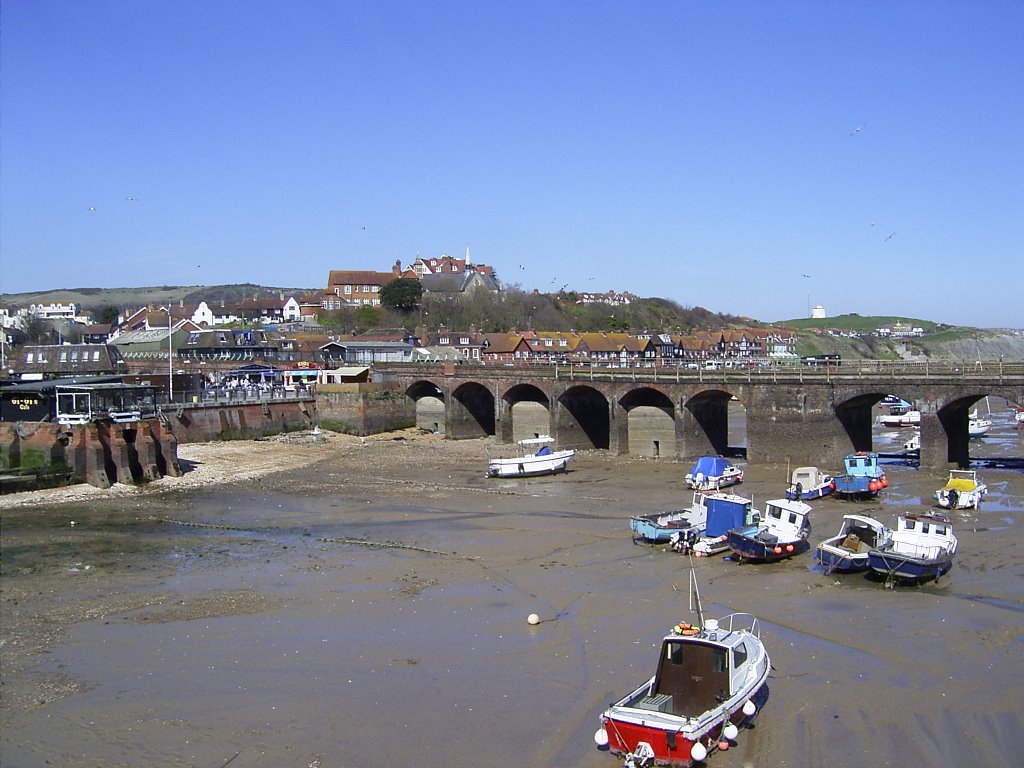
695,605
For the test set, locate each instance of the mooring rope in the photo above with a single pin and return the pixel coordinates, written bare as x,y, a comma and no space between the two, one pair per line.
323,539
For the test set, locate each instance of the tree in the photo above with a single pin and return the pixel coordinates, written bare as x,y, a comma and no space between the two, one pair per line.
402,294
107,315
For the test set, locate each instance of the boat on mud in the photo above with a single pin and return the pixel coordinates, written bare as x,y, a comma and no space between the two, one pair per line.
809,483
711,473
963,490
863,476
660,527
921,548
723,512
526,464
781,533
847,551
710,680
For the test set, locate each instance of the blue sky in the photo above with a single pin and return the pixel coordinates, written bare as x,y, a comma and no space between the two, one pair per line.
712,153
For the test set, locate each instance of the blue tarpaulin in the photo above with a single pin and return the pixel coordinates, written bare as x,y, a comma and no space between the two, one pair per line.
710,466
724,515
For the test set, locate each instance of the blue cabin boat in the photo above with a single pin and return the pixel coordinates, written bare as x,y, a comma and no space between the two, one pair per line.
723,512
863,477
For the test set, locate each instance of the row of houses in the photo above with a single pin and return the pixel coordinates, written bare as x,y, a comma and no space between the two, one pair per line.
185,347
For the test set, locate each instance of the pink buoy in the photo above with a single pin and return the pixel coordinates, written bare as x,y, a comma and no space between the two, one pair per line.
723,745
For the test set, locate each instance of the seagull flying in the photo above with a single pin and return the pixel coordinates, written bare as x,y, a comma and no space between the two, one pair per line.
889,237
804,275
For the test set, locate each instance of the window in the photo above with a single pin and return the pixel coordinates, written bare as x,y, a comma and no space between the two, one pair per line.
63,357
348,290
30,357
96,355
674,653
193,338
442,340
739,655
718,662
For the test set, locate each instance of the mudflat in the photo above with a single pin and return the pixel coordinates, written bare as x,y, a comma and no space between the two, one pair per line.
337,602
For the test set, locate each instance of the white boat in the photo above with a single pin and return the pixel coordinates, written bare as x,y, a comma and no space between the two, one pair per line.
962,490
1018,417
711,473
809,483
913,444
977,426
710,680
900,417
922,547
526,464
847,551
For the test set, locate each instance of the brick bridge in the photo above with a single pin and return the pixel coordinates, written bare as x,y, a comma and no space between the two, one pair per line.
799,414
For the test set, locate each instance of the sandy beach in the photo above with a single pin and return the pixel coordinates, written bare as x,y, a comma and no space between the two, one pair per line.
344,602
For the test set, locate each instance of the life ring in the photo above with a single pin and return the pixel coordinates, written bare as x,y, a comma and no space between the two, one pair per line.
691,632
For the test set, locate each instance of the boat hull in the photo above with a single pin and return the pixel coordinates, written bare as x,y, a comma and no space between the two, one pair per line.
835,560
660,528
907,568
810,493
671,745
748,546
530,466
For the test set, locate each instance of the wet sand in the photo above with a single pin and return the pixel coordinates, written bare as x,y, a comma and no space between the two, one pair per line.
193,621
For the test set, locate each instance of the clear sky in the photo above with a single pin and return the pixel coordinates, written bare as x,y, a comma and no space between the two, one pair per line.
755,158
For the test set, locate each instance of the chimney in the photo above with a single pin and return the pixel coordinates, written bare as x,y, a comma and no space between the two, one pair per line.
397,269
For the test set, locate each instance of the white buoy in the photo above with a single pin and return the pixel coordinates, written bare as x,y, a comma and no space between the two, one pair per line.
749,708
601,737
698,752
533,618
730,732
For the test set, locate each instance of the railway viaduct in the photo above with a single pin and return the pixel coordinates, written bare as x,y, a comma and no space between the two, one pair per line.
799,414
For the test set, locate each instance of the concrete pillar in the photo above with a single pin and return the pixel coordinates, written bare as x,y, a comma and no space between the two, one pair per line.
118,455
87,460
166,446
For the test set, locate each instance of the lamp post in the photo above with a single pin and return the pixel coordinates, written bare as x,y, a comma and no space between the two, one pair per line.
170,358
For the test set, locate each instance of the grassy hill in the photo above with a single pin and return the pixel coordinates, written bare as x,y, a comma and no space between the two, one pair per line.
96,298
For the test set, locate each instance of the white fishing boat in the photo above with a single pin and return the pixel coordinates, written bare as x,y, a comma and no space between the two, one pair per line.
921,547
526,464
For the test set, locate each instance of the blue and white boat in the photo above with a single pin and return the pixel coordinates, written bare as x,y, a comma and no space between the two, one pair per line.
724,511
660,527
921,548
782,533
711,473
809,483
847,551
863,476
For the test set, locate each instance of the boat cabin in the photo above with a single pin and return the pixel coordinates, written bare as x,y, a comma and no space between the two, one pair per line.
785,515
696,674
862,464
